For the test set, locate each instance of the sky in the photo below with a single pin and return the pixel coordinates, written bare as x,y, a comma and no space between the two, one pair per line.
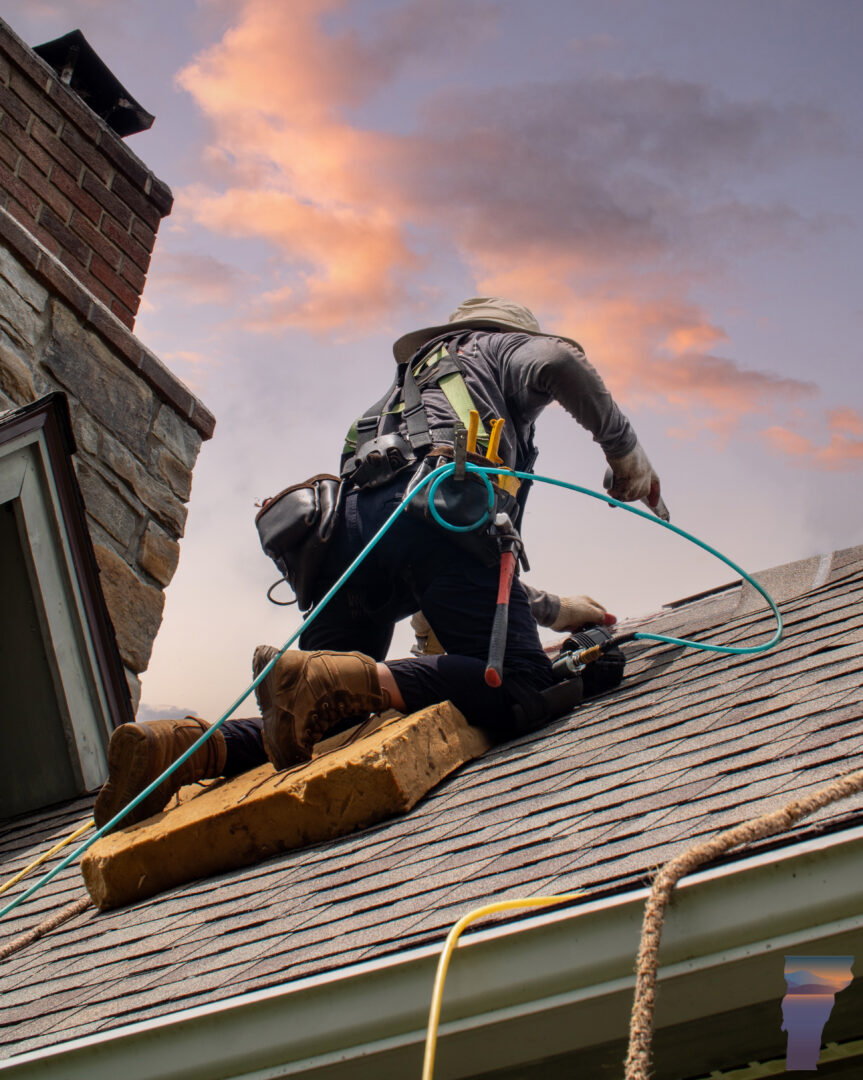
831,973
673,183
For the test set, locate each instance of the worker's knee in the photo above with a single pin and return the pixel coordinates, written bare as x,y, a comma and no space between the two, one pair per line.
389,684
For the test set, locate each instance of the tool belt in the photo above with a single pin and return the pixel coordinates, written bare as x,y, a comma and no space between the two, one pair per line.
462,503
295,527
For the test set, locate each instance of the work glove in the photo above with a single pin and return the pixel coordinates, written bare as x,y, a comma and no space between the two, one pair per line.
578,611
633,478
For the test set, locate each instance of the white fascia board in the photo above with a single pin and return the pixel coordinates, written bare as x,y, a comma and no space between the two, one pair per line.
553,983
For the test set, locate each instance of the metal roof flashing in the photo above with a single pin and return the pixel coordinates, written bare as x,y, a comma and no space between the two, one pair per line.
553,983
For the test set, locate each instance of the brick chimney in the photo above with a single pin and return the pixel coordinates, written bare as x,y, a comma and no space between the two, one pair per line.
78,219
68,177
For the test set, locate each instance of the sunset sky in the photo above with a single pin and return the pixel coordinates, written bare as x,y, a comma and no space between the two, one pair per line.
832,973
674,183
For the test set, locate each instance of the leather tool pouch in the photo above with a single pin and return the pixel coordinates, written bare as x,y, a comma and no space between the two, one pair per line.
294,528
462,502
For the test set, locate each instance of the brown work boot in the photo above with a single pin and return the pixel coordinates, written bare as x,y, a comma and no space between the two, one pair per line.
307,693
138,753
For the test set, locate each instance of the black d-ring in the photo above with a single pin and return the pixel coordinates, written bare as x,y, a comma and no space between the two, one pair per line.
280,603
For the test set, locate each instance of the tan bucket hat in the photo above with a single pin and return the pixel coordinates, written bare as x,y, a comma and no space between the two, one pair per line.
481,312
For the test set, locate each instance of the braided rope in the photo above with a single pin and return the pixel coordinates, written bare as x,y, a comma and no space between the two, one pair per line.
45,927
641,1022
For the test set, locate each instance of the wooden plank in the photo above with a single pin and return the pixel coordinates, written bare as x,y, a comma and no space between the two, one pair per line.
350,784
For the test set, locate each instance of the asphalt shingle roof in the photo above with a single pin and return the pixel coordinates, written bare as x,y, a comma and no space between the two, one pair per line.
691,744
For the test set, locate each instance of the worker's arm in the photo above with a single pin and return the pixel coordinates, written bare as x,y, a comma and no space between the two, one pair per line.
542,369
566,612
562,613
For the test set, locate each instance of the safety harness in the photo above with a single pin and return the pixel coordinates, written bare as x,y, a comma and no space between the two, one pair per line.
375,449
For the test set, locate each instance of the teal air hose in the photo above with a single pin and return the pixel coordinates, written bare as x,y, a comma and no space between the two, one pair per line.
434,478
729,650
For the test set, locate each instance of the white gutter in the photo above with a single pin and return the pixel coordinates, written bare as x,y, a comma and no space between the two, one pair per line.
555,983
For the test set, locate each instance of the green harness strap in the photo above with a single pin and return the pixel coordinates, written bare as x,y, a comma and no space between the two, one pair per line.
455,390
453,387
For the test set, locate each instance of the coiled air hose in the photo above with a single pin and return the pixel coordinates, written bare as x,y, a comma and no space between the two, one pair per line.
434,479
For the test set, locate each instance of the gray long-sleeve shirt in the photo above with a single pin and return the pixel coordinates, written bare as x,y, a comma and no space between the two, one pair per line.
544,606
517,375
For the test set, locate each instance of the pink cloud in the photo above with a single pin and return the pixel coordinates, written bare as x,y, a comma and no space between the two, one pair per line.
347,264
840,453
651,350
724,385
845,421
700,336
789,442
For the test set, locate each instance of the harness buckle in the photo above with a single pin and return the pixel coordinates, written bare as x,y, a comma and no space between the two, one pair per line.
459,450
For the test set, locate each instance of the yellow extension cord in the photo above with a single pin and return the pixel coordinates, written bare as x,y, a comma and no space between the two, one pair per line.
449,948
47,855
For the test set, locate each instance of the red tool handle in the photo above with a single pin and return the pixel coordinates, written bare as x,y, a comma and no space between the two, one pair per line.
497,644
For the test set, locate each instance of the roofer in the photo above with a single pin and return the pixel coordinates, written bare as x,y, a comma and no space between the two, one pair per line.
491,358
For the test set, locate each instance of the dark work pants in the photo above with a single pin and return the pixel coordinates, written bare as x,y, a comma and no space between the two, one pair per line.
417,566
